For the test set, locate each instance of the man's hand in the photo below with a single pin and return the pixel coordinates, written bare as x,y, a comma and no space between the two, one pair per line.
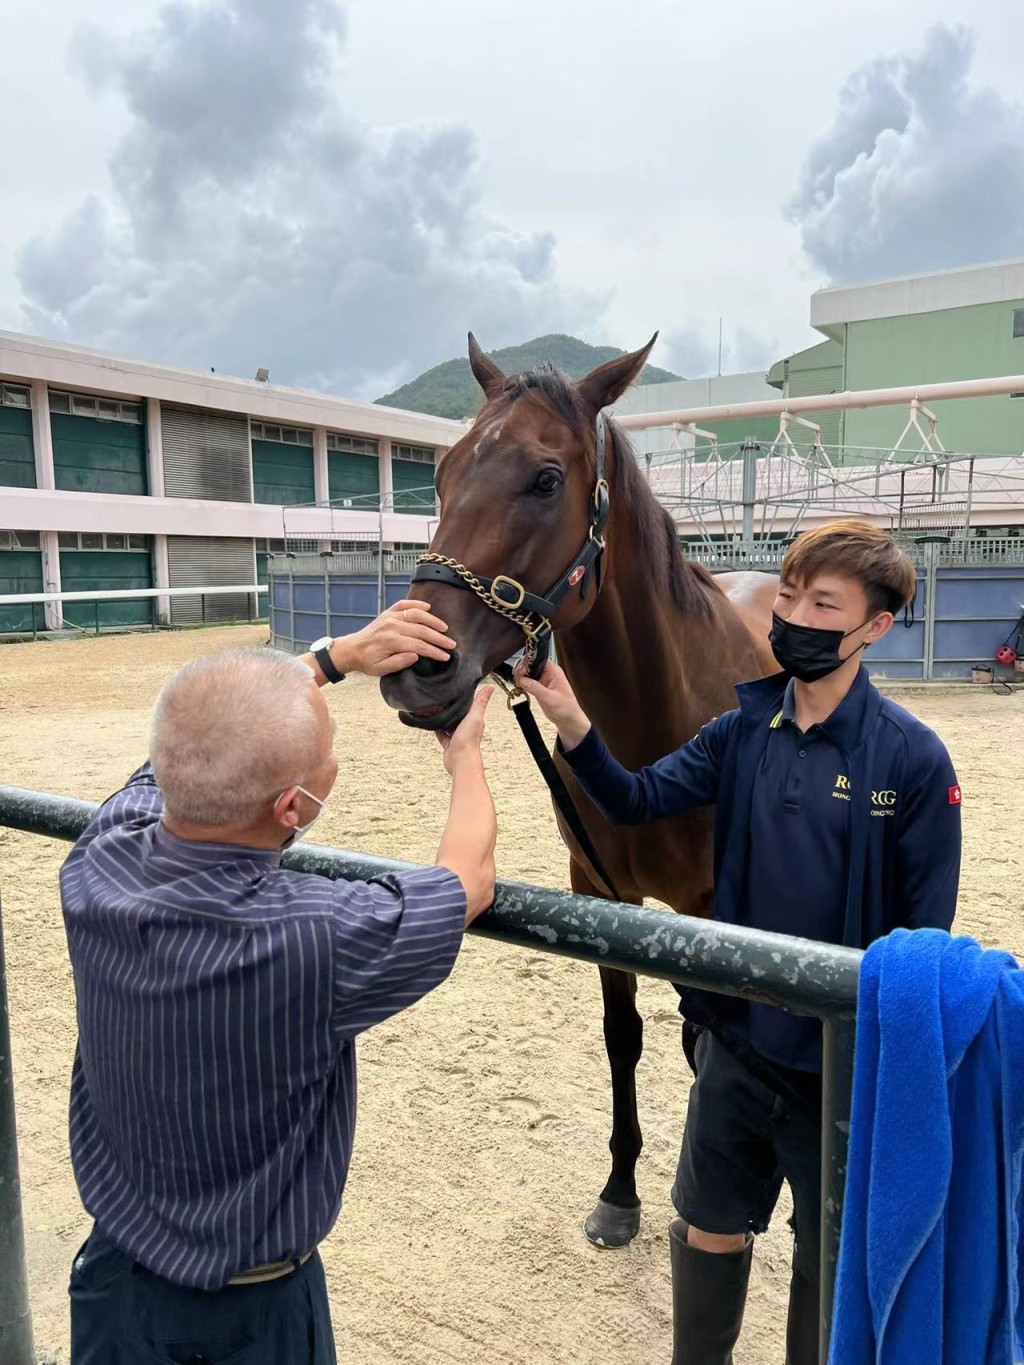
464,740
557,700
467,845
395,640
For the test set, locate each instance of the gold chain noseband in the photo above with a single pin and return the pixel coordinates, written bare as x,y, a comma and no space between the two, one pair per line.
526,622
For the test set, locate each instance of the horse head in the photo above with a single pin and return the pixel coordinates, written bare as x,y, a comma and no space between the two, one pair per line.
518,548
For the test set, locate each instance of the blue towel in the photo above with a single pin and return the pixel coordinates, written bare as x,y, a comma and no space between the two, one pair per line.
931,1265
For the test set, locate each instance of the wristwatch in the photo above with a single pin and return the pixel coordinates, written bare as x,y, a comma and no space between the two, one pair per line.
321,652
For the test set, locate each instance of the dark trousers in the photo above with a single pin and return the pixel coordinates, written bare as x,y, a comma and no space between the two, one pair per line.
741,1141
122,1314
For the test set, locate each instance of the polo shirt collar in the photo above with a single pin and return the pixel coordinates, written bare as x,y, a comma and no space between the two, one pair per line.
846,723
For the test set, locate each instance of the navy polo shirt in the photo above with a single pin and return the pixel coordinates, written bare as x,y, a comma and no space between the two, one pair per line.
797,859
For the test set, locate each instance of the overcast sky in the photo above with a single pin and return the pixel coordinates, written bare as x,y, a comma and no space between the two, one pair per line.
338,191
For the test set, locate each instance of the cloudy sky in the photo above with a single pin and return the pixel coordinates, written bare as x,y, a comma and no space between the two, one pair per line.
339,189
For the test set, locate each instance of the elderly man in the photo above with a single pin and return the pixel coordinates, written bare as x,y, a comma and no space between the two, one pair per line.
219,997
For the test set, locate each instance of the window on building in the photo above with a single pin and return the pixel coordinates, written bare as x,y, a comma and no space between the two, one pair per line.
98,540
1018,324
14,396
271,547
87,405
19,540
421,454
271,431
354,445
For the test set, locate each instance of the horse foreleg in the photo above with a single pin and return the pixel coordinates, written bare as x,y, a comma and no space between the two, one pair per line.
615,1220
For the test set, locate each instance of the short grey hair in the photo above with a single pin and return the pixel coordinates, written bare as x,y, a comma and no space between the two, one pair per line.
231,731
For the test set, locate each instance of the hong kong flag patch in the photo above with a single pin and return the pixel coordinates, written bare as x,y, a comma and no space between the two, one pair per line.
956,796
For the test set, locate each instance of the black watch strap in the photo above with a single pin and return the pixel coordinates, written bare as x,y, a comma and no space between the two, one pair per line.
326,663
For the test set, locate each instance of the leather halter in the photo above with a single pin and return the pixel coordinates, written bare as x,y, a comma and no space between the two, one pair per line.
532,613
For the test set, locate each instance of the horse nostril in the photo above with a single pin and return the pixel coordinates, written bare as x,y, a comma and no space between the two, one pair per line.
435,668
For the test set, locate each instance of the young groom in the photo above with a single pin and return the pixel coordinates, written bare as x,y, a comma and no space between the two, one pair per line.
838,819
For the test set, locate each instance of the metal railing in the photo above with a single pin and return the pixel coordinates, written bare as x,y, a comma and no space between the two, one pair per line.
769,554
92,599
804,977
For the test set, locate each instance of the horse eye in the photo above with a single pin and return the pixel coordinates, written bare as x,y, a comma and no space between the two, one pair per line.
546,482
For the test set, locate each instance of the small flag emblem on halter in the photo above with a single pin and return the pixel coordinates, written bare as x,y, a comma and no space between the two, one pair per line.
955,796
576,575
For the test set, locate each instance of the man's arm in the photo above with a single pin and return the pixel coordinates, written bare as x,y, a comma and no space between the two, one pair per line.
395,640
678,782
928,843
681,781
397,938
467,845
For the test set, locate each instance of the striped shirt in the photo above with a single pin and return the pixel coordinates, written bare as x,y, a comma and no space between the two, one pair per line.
213,1094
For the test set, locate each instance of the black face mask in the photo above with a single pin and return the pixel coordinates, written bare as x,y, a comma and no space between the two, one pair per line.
808,652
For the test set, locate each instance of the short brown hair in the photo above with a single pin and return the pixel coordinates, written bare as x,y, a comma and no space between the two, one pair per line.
855,549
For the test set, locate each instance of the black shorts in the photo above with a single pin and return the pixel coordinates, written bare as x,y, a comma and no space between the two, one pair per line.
740,1142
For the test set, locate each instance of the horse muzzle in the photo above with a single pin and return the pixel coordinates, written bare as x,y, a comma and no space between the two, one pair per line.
432,694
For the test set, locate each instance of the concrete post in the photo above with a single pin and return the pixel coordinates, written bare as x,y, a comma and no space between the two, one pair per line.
53,612
155,478
42,436
387,504
42,445
321,477
161,579
387,487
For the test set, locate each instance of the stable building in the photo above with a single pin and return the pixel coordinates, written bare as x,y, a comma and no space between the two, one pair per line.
116,474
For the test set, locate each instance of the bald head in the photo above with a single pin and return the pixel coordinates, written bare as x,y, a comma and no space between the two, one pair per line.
232,731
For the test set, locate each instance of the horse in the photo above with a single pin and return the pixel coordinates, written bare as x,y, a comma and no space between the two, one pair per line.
652,645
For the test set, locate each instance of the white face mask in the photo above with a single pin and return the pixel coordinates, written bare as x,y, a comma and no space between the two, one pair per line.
302,830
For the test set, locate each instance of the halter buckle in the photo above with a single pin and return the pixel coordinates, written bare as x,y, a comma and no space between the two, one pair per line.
602,495
516,587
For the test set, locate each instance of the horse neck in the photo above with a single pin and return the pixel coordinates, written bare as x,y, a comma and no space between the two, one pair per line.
626,659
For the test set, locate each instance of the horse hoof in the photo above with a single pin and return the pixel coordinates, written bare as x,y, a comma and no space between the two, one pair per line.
611,1226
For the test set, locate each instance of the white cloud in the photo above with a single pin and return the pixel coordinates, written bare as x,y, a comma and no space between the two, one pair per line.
253,222
920,170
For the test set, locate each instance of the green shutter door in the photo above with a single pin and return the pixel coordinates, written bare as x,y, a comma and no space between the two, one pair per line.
94,456
21,571
17,459
90,570
282,474
413,483
354,478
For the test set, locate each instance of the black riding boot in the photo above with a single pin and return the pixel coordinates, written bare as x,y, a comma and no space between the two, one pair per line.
709,1291
802,1326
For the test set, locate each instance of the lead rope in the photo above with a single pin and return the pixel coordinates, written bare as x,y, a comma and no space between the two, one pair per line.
519,705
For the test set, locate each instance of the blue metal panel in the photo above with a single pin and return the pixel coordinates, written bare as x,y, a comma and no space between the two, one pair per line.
353,603
396,587
900,654
977,606
977,591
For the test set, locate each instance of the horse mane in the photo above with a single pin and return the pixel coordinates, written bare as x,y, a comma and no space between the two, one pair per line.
684,583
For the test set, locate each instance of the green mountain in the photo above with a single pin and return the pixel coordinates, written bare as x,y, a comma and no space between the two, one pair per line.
449,390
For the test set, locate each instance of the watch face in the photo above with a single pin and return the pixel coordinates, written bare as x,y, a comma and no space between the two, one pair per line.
324,643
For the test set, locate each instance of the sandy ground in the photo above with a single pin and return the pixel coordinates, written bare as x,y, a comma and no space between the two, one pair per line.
483,1111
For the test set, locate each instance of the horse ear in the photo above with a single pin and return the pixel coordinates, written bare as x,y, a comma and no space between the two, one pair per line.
609,381
485,372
